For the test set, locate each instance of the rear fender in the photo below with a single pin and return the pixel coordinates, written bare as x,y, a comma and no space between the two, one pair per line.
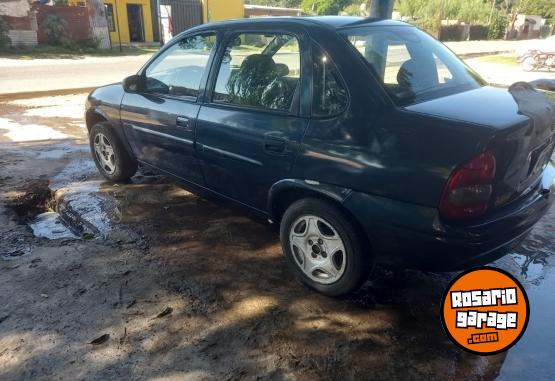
285,191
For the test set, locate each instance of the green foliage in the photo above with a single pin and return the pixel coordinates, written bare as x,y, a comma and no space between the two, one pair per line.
4,38
354,10
498,25
427,13
324,7
276,3
544,8
61,2
56,29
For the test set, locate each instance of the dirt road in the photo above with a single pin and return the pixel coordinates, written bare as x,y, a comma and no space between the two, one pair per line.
187,288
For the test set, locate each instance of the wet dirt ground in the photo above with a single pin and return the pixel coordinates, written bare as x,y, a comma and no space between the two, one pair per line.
188,288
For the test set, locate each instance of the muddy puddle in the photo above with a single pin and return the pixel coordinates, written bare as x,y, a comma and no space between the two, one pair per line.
50,225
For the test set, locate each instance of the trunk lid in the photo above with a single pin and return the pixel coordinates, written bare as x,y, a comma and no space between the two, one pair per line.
521,124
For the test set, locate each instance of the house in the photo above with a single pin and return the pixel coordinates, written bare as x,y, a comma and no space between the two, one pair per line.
525,27
129,21
138,21
21,21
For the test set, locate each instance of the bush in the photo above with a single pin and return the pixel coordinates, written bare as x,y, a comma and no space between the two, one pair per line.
56,30
498,26
81,46
4,38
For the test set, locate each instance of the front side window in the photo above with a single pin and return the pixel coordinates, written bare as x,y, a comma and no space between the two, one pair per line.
329,96
179,70
413,66
260,70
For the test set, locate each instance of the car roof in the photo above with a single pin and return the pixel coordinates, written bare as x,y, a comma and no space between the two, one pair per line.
333,22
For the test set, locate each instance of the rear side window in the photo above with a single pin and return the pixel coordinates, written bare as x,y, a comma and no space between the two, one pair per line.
260,70
413,66
179,70
397,53
329,96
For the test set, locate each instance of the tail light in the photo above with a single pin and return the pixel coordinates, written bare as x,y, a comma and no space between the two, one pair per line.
469,189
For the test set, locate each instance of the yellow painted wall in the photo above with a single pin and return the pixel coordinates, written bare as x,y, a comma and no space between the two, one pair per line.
120,17
122,22
217,10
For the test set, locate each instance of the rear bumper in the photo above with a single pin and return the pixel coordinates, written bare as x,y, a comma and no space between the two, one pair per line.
415,236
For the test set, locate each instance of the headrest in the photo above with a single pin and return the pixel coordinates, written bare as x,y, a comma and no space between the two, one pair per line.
258,62
405,76
282,70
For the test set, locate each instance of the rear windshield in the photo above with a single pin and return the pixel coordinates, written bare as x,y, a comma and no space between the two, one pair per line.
413,66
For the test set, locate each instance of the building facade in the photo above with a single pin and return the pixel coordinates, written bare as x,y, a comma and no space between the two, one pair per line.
139,21
129,21
218,10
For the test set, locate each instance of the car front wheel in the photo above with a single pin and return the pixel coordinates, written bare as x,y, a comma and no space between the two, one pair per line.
110,156
324,248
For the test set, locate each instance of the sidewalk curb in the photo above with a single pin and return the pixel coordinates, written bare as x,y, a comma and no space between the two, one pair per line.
483,54
44,93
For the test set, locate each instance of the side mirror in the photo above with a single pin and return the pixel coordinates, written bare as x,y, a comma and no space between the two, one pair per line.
131,84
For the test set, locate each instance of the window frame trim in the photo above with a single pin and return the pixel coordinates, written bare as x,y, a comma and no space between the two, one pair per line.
205,74
393,101
215,70
318,46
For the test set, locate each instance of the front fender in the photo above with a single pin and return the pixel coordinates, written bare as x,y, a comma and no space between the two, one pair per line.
297,186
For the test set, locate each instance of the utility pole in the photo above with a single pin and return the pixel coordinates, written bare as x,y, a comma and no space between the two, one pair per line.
381,9
117,24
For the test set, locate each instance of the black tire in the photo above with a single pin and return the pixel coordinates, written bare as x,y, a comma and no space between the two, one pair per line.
357,257
125,165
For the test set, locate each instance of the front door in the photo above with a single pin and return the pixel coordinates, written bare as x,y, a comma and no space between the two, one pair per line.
136,24
249,128
160,119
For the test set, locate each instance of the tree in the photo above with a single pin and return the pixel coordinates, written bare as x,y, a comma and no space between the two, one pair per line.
543,8
355,9
324,7
426,13
277,3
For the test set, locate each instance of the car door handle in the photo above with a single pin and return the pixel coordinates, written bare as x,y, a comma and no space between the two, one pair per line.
275,144
184,122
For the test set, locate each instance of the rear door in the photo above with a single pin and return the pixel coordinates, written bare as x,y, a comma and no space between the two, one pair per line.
160,118
250,127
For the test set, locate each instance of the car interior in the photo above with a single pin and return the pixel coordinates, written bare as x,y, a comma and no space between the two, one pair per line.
258,81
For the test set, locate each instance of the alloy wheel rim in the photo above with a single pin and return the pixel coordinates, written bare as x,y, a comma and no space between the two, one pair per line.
317,249
104,153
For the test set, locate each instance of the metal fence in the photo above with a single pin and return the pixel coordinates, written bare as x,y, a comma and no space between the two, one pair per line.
184,13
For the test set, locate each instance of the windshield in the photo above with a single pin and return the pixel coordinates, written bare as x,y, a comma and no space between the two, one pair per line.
412,65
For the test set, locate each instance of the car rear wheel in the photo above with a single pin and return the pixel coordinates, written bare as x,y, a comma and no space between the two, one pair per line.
110,156
324,248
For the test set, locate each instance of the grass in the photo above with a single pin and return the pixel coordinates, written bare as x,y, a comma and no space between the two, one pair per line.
501,59
58,52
